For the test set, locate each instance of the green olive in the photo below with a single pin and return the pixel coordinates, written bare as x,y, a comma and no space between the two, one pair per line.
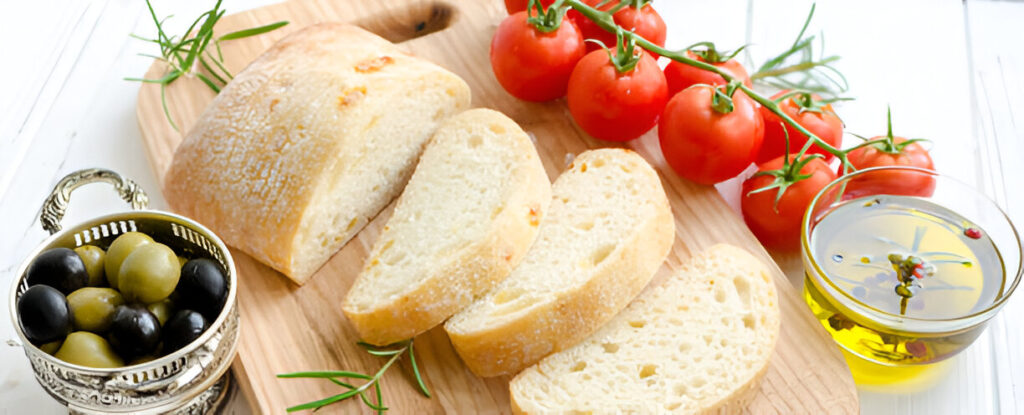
51,347
162,310
149,274
88,349
93,258
123,246
92,308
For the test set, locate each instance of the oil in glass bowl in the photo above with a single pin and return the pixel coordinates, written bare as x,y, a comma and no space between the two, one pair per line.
902,257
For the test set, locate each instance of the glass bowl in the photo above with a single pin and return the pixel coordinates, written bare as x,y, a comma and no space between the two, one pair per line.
851,282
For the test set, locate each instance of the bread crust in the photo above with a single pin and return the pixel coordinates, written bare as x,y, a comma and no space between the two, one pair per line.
520,342
276,136
472,270
740,396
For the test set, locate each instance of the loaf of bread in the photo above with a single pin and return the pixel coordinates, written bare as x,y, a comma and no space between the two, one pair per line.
697,342
308,143
607,231
466,218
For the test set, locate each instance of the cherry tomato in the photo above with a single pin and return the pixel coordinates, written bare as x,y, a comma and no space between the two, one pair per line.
808,111
681,76
705,145
615,106
516,6
897,152
777,225
533,65
645,22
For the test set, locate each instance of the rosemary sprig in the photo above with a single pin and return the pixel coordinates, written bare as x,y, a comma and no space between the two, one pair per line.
181,54
394,351
807,73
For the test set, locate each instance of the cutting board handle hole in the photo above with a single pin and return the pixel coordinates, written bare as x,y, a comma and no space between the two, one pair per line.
410,22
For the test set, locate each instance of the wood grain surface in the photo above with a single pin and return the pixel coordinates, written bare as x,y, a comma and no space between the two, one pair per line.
288,328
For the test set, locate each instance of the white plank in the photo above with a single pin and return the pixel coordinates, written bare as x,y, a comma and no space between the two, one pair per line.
998,79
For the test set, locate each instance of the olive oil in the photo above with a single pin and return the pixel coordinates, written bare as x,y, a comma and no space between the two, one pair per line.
893,260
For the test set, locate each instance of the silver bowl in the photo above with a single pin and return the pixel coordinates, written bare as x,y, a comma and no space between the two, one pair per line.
192,380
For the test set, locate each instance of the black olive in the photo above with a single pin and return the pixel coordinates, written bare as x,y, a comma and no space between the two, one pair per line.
182,329
134,331
202,287
60,268
44,314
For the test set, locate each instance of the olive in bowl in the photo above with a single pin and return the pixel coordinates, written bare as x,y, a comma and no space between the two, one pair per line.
88,349
45,314
123,246
60,268
93,257
149,274
92,308
183,328
202,287
134,331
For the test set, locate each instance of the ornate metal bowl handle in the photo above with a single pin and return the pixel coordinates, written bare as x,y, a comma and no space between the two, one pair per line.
57,203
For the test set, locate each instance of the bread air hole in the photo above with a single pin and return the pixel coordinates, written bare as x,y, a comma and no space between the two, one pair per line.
720,295
579,366
698,382
637,324
585,226
475,141
507,295
648,370
601,254
742,288
749,322
673,406
610,347
393,257
497,129
680,389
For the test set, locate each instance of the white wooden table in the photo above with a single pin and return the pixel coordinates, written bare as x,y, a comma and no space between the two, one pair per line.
952,71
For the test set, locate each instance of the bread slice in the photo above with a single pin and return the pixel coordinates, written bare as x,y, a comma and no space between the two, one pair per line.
308,143
608,229
469,213
698,342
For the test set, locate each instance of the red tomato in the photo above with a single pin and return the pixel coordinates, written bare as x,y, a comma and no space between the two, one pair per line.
645,22
615,106
819,119
704,145
681,76
894,153
533,65
516,6
778,225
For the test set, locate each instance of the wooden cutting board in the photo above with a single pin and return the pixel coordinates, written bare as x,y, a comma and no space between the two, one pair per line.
288,328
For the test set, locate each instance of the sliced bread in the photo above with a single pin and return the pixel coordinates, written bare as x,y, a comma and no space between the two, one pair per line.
308,143
607,231
467,216
697,342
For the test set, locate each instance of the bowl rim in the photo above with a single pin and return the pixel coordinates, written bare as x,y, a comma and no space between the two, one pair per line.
229,300
967,320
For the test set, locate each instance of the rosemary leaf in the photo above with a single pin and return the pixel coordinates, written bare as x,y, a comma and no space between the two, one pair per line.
325,374
416,371
324,402
253,31
208,82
